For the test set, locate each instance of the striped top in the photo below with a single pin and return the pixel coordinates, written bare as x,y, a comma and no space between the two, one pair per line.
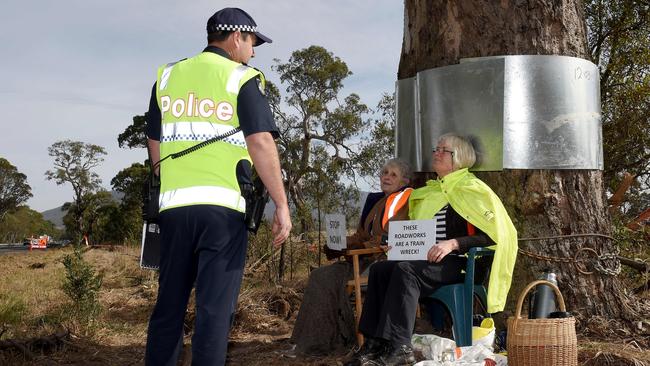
441,224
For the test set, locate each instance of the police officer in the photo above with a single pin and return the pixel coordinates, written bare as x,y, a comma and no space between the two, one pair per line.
202,230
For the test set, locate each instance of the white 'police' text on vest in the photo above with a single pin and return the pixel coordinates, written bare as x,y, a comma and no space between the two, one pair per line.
195,107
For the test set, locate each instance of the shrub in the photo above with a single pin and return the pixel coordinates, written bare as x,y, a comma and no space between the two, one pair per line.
82,285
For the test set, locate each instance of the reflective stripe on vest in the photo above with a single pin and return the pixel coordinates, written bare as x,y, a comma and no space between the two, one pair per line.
209,195
394,202
165,75
199,131
235,78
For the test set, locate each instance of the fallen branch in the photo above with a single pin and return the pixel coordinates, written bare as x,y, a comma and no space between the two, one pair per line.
265,258
29,347
640,266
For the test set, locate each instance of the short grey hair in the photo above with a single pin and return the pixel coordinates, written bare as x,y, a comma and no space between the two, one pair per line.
464,154
402,165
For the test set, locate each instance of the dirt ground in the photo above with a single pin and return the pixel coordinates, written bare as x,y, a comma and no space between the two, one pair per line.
32,309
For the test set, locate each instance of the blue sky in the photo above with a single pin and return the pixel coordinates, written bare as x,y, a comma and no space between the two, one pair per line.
81,70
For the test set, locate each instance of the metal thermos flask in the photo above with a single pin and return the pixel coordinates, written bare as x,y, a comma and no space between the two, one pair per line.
542,302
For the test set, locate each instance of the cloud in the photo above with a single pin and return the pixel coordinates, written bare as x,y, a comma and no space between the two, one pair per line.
82,69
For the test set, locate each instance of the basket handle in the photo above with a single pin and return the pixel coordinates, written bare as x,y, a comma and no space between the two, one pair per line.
522,296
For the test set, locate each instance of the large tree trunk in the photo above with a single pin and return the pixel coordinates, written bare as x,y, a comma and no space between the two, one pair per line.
542,203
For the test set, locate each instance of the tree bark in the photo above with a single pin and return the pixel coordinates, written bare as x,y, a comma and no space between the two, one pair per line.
542,203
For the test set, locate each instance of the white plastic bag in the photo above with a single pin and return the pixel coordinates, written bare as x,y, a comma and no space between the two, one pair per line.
473,354
434,348
441,351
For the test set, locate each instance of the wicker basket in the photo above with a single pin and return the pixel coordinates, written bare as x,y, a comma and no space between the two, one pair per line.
542,342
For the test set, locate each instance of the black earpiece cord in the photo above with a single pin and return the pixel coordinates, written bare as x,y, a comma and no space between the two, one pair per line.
197,146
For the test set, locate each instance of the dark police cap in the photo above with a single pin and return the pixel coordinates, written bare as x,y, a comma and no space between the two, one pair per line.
233,19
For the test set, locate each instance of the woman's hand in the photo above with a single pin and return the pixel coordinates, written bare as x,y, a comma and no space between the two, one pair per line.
440,250
385,248
331,253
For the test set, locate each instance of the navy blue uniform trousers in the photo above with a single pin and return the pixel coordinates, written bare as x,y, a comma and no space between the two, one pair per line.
202,246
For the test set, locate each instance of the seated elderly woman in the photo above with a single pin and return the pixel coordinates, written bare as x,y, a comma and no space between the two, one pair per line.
325,321
454,199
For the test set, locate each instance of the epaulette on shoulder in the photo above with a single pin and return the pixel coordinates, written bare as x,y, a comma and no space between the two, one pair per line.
258,70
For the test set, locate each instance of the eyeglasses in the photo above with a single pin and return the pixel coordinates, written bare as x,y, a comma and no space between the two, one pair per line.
441,150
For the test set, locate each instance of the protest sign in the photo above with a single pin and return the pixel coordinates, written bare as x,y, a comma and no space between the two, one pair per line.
410,240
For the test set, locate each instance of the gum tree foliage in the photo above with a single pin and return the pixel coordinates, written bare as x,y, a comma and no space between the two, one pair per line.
74,162
126,225
111,221
97,205
23,223
380,143
619,43
320,132
134,135
126,219
14,189
129,181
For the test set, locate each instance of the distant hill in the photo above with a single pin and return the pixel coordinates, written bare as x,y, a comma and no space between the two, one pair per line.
55,215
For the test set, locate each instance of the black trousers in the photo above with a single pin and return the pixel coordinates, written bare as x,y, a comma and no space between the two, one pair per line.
394,288
202,246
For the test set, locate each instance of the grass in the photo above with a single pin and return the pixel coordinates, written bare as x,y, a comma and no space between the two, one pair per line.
34,292
32,304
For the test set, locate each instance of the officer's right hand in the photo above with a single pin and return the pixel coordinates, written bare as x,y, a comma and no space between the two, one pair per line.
281,225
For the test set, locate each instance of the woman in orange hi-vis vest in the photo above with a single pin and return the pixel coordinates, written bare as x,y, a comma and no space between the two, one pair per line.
325,322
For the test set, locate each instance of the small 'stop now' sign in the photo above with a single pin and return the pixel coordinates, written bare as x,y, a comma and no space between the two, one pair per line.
336,231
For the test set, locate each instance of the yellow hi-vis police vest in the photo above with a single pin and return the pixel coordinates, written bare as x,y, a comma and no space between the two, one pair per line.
198,100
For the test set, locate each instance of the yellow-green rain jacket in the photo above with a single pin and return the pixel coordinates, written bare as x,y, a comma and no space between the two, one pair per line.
478,204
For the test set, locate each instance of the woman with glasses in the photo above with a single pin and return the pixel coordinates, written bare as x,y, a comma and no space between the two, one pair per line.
325,321
460,204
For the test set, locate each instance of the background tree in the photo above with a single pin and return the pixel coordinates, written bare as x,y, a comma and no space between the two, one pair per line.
134,135
542,203
14,189
23,223
96,205
317,145
619,43
74,162
127,220
380,143
129,182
